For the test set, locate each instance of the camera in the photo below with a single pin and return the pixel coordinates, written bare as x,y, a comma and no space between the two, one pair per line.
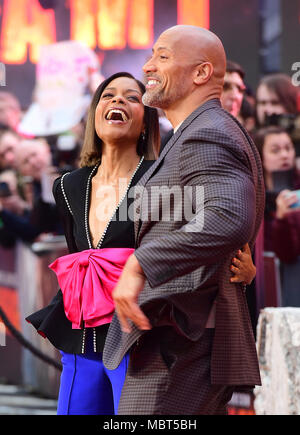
4,190
296,204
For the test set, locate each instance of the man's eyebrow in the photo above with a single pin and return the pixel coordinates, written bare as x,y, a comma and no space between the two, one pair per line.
160,49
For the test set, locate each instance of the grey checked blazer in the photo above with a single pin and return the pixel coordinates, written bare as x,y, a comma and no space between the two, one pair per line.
187,270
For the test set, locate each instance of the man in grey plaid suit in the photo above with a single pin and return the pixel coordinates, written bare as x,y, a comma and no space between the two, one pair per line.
186,325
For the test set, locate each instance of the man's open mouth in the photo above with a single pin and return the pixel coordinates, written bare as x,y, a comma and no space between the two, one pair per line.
151,83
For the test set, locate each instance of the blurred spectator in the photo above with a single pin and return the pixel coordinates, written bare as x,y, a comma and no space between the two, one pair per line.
276,95
9,193
235,100
233,88
247,113
33,162
8,190
10,110
282,214
33,156
9,177
9,142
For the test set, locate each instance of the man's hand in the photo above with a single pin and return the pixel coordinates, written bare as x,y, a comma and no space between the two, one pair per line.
125,295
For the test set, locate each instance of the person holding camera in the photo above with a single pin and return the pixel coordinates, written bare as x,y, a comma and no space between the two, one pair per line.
29,217
282,214
10,201
276,97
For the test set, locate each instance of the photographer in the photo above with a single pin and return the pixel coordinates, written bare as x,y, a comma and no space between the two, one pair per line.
275,95
35,215
11,201
9,143
282,214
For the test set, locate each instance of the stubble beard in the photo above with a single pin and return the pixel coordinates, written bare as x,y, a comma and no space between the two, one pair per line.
155,99
160,99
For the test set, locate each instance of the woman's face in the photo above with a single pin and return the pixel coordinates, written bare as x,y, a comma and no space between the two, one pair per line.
119,115
267,103
278,152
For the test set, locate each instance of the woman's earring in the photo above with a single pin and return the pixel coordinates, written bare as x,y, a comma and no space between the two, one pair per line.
143,136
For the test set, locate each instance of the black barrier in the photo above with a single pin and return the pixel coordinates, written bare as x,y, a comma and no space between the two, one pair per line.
27,285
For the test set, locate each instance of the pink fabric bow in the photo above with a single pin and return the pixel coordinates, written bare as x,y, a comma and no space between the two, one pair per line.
87,279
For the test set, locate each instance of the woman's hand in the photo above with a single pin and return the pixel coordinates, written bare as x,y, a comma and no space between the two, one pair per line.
243,267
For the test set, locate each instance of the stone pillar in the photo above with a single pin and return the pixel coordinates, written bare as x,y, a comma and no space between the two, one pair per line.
278,346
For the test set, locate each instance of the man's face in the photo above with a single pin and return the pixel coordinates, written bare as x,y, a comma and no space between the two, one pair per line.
233,92
167,74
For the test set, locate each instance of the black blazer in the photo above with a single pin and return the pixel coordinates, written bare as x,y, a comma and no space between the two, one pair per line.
51,321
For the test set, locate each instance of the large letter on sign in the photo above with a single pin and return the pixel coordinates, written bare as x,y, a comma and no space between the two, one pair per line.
194,12
140,28
83,21
112,17
25,22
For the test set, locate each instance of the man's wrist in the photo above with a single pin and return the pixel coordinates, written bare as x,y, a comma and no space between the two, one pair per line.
134,266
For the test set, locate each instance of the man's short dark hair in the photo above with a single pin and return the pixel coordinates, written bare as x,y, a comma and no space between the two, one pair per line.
232,67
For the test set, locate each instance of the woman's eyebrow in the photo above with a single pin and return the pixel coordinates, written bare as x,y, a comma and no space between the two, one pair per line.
134,90
127,90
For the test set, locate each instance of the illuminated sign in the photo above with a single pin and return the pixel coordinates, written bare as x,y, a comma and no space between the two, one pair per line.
106,24
25,23
111,24
193,12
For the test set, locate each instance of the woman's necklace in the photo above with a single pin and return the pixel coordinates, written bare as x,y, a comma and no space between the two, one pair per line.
87,197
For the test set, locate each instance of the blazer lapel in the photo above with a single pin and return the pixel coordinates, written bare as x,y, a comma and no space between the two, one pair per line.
208,105
143,181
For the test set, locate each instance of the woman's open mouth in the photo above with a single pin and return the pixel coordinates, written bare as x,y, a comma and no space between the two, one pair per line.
116,116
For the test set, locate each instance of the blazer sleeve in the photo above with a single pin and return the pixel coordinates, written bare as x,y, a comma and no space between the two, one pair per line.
66,217
224,217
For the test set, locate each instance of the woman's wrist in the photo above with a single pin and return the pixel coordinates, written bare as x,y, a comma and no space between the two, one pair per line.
279,214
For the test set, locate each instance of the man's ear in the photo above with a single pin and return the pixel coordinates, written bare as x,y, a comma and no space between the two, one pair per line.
203,73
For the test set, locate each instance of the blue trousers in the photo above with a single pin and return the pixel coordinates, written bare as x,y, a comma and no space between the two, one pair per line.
87,387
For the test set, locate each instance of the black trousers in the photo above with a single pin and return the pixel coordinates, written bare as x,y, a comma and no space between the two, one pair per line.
170,375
